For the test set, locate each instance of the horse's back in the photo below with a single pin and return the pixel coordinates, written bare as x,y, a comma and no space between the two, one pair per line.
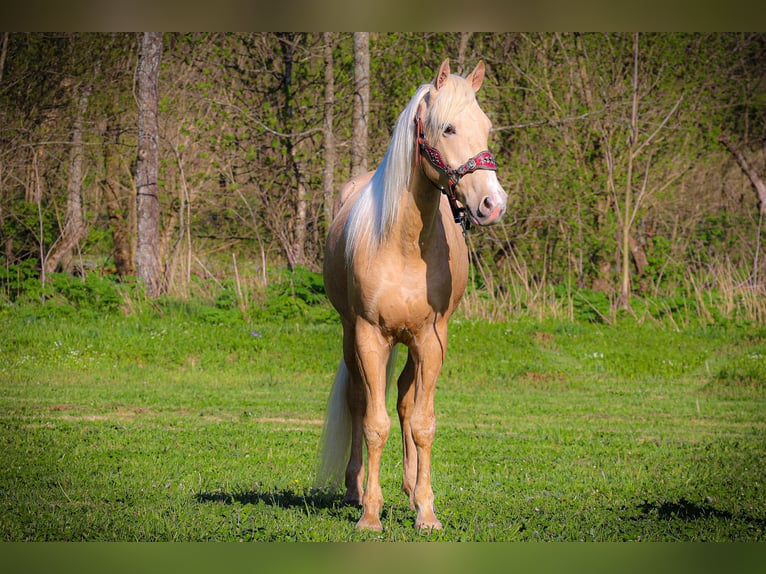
349,191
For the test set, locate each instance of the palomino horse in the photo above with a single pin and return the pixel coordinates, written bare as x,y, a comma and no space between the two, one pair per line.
395,268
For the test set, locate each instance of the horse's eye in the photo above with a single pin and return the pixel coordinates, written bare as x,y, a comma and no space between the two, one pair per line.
449,130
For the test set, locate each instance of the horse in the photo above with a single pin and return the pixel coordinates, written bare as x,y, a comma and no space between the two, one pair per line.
395,268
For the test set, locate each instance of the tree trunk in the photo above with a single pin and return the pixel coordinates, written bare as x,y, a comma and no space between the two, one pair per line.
148,264
624,299
181,252
74,229
119,222
361,107
461,52
638,254
760,189
297,251
120,204
328,137
3,54
758,183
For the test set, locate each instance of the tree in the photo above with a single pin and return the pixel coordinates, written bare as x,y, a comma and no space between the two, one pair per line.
116,121
361,107
74,229
759,185
3,53
148,263
79,83
46,119
328,136
296,251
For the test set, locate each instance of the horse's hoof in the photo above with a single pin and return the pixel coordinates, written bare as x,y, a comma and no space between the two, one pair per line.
352,500
371,523
428,524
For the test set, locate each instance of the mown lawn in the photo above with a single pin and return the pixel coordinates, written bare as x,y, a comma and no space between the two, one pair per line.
185,426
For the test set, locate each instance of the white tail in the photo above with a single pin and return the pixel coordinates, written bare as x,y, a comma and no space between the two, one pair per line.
336,434
335,443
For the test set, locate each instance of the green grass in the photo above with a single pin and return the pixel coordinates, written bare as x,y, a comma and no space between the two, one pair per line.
187,425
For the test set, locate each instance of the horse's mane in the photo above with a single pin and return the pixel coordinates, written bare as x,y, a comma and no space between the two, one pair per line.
377,205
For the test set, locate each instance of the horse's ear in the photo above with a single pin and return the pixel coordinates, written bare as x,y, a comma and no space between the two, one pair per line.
442,74
477,76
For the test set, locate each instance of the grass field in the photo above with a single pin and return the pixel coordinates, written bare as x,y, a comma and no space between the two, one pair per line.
184,425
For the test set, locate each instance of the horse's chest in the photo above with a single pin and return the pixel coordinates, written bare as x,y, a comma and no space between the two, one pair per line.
402,303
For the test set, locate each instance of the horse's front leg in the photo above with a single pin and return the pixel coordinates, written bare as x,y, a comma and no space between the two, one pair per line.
372,352
430,350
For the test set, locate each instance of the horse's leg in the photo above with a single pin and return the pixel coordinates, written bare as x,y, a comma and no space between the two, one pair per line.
404,407
430,352
354,479
355,468
372,352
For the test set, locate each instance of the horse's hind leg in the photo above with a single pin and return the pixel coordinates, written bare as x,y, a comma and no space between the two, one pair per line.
355,469
404,406
354,478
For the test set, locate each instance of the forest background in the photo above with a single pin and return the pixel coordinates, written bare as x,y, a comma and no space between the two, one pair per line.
635,165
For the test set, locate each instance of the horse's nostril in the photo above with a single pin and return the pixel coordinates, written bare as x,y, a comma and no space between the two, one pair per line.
486,207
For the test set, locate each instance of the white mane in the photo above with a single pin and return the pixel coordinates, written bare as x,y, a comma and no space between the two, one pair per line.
377,206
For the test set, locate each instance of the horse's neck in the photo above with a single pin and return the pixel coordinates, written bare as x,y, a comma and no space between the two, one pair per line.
418,221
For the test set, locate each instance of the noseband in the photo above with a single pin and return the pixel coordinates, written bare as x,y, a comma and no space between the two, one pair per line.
482,160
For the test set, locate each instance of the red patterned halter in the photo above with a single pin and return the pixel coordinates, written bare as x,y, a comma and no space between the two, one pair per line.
482,160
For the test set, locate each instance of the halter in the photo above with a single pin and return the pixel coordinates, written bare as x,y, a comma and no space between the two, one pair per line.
482,160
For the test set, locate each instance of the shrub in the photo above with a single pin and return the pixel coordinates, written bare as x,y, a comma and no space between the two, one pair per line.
21,283
297,293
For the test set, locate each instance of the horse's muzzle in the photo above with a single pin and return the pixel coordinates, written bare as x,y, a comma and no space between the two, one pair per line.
491,208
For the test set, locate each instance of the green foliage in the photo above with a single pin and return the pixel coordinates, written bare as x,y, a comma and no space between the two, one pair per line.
663,267
745,370
61,292
91,292
590,306
291,295
25,231
296,294
20,281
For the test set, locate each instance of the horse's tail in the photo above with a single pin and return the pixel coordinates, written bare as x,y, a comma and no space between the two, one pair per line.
335,443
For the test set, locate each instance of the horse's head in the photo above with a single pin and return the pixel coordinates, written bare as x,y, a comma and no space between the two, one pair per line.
453,132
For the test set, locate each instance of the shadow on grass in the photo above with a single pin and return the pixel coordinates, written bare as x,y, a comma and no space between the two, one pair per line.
282,498
327,502
684,509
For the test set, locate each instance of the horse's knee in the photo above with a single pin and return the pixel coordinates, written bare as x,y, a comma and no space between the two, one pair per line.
423,430
376,430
